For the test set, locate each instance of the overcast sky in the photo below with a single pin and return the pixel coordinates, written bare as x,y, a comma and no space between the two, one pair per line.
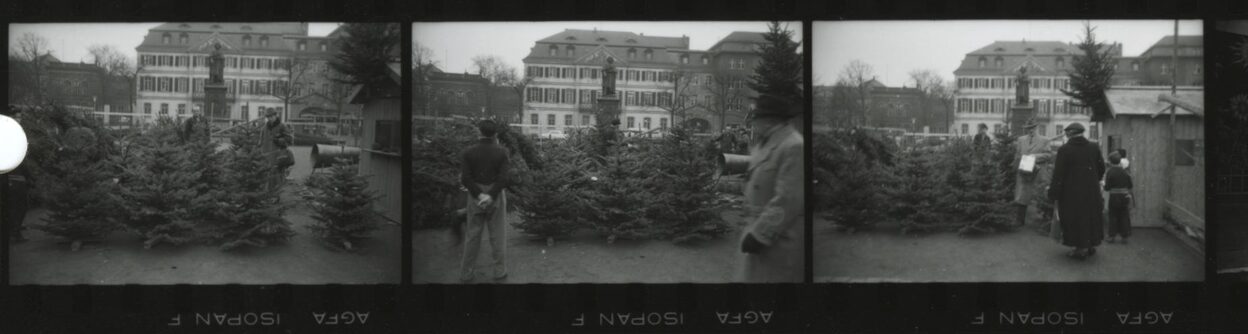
69,41
455,43
894,48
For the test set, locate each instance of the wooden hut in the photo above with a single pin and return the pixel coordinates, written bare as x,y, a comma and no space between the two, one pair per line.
1163,134
380,148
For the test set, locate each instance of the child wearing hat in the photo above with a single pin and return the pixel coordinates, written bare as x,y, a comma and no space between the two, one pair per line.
1118,185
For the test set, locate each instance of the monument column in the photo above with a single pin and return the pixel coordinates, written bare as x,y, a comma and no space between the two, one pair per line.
1022,110
609,102
215,102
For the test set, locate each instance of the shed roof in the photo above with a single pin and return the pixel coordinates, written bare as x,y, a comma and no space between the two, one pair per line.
1147,100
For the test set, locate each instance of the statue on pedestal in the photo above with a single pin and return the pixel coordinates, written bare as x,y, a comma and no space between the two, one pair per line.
1022,90
608,78
216,65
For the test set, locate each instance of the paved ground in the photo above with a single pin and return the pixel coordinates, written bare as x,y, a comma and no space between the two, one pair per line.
885,255
1232,256
584,258
120,258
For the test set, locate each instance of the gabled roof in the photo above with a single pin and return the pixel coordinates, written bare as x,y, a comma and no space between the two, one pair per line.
1164,45
617,38
739,41
282,38
1025,47
277,28
1147,101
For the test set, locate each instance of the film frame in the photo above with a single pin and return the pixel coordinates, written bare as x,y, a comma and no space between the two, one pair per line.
1210,306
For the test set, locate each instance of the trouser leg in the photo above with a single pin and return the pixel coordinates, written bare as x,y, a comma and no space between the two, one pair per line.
497,235
472,241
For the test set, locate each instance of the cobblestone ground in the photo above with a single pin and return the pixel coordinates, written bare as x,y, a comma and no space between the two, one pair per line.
885,255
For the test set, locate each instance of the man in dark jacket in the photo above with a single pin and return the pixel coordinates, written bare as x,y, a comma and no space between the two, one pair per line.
982,140
484,173
1076,189
1118,185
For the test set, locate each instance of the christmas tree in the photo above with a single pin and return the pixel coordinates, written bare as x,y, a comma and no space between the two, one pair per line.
251,209
552,198
684,201
343,206
985,203
436,190
780,70
75,177
850,170
621,196
915,195
157,185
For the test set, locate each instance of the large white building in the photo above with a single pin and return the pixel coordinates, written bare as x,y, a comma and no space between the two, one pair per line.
987,78
259,56
652,73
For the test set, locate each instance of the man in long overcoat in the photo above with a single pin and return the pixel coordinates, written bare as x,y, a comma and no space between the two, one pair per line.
774,240
1076,189
1025,183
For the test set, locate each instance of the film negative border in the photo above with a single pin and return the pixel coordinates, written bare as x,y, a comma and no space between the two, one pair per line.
1212,306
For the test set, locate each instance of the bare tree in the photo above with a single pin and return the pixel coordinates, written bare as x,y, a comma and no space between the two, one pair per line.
678,103
117,67
518,87
853,81
936,91
299,70
422,65
497,73
29,51
727,90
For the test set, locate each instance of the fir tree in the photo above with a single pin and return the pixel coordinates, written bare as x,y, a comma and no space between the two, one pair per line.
552,198
365,52
343,206
684,201
436,190
850,176
251,209
986,207
78,187
780,71
915,194
621,196
158,185
1093,72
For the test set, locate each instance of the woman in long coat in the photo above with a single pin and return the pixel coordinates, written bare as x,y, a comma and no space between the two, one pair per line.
1076,189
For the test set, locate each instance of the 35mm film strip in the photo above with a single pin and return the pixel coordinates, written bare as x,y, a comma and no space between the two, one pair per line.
589,241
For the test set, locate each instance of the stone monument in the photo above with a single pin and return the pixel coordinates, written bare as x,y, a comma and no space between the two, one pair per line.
1022,110
216,105
609,101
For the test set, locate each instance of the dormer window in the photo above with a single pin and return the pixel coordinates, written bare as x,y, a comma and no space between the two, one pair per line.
1135,66
164,39
570,51
649,54
324,47
705,60
999,50
264,41
246,40
303,46
570,38
1061,62
182,39
216,26
184,25
684,59
983,61
602,39
999,62
632,53
1029,50
554,51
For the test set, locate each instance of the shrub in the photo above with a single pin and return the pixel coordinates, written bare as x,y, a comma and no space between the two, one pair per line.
343,206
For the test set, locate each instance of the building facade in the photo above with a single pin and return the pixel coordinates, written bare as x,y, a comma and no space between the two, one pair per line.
77,86
906,108
261,62
660,81
987,77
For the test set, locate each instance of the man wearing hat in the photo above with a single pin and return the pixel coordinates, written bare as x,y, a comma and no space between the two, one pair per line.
773,241
1076,188
1026,181
274,138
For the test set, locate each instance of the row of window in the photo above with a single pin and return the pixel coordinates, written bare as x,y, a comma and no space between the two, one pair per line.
629,98
587,119
234,62
1000,62
1003,105
1010,82
301,45
1093,129
244,86
244,110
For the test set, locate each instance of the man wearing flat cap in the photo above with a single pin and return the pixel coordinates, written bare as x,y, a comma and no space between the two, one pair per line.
1035,171
773,241
1076,188
274,138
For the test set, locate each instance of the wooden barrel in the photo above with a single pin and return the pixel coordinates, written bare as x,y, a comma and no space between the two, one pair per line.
325,155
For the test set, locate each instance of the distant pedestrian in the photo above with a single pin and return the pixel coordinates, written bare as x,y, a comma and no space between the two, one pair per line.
774,240
1075,187
1119,186
274,139
982,140
484,173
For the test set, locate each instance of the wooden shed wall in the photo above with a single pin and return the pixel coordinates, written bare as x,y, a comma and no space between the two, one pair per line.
1146,141
384,171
